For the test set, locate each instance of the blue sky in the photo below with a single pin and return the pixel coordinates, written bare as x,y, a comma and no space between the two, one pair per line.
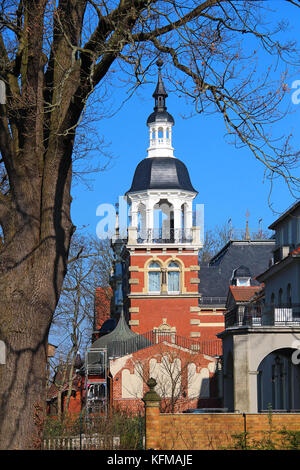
229,181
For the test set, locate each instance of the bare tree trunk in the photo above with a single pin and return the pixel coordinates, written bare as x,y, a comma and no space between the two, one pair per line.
23,378
32,271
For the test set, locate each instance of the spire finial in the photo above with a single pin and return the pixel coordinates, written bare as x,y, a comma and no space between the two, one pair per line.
247,226
160,93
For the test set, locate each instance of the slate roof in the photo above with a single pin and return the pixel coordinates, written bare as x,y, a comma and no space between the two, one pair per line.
215,276
161,173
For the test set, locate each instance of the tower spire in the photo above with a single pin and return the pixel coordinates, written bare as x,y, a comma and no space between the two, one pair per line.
247,236
160,93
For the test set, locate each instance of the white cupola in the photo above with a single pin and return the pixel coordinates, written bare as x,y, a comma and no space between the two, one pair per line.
161,195
160,122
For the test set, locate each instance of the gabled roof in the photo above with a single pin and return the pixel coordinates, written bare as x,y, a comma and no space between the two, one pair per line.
281,264
289,211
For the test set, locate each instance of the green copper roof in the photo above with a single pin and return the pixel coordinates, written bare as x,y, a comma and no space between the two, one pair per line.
121,341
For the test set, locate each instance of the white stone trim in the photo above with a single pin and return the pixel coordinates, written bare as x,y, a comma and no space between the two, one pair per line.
194,309
195,334
134,268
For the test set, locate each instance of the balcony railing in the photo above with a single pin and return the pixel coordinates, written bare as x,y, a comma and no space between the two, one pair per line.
165,236
263,315
212,300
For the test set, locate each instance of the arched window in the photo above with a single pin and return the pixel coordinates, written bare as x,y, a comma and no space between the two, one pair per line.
280,297
154,277
173,277
272,299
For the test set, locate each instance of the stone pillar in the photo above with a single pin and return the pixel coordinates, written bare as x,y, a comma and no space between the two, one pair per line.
152,417
196,235
132,235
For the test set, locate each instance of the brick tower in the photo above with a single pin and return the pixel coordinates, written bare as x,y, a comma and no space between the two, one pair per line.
160,256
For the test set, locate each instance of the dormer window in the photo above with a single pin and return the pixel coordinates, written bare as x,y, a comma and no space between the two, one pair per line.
241,277
243,282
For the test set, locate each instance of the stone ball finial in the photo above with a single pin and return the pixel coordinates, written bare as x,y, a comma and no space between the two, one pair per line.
151,396
151,383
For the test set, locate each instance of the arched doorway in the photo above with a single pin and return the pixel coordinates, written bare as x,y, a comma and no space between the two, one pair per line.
278,382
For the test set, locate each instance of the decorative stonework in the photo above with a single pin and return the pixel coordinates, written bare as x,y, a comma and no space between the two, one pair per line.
195,280
133,281
195,321
195,334
134,322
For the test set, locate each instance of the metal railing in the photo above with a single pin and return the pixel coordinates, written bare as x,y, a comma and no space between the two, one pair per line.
242,234
150,338
83,442
263,315
213,300
160,235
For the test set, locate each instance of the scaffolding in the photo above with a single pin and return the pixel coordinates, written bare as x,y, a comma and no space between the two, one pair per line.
96,387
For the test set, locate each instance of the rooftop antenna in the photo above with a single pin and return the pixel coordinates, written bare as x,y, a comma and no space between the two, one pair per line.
260,229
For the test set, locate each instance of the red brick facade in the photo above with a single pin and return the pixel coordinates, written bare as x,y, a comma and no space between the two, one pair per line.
103,296
130,375
179,312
